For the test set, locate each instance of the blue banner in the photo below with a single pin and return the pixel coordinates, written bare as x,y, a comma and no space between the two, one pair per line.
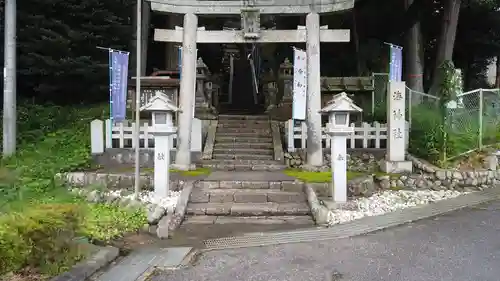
396,64
118,70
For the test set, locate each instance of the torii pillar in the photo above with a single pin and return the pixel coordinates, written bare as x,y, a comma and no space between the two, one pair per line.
314,151
187,92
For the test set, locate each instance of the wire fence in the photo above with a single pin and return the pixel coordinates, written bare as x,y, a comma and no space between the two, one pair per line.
468,123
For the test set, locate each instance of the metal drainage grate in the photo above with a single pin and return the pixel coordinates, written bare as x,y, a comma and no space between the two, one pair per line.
357,227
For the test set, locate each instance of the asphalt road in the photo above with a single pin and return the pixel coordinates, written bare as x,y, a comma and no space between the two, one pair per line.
461,246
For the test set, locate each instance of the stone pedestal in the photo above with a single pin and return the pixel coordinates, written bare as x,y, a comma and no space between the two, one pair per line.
395,161
161,165
187,92
339,168
314,150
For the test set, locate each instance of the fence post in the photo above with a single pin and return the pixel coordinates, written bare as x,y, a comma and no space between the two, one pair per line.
134,131
480,141
109,133
96,137
377,127
303,135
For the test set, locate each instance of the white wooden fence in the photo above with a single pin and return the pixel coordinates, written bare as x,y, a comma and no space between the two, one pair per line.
365,136
122,135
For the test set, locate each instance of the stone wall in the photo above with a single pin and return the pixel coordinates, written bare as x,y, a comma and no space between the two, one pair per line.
126,156
112,181
438,178
358,160
362,186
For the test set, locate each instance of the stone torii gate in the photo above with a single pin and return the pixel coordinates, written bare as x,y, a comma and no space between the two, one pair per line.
250,12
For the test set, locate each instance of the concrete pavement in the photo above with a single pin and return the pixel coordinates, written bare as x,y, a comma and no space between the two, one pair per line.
461,246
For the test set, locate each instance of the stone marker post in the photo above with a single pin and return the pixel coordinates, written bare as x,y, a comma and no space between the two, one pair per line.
395,161
162,111
338,128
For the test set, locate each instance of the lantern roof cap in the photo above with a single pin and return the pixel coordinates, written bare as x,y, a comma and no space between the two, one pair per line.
340,102
160,102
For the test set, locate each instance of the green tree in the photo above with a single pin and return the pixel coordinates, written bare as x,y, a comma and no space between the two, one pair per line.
57,55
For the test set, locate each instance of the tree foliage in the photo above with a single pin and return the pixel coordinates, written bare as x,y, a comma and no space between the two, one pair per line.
57,39
58,59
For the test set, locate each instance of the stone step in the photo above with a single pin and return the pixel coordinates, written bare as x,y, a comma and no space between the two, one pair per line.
242,139
253,131
204,219
244,145
248,209
224,117
241,156
242,165
242,151
286,186
241,136
244,124
246,196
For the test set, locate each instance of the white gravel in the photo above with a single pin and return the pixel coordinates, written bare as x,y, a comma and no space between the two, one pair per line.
385,202
149,197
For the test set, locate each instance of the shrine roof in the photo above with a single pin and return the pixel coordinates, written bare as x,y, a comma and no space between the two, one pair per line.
221,7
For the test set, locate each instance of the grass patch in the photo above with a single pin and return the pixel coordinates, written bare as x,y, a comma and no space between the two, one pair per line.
104,222
190,173
392,176
318,177
193,173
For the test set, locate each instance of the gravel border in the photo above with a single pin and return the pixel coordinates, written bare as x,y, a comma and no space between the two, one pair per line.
83,270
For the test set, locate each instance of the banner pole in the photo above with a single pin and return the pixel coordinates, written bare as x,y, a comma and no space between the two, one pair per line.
110,95
138,97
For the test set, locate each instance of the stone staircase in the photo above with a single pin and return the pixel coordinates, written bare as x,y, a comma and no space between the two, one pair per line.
243,142
253,197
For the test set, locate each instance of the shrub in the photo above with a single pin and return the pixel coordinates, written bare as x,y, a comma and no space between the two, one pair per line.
104,222
39,237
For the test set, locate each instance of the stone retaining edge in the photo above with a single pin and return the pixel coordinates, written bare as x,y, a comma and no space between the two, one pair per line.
279,155
209,143
83,270
110,180
452,178
181,207
318,211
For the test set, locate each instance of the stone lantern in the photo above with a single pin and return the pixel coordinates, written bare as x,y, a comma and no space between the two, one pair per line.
286,77
162,110
338,110
201,104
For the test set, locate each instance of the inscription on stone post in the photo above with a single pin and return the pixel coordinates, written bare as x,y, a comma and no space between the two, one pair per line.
160,156
396,121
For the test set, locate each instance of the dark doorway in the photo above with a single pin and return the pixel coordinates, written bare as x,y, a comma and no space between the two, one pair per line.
244,100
